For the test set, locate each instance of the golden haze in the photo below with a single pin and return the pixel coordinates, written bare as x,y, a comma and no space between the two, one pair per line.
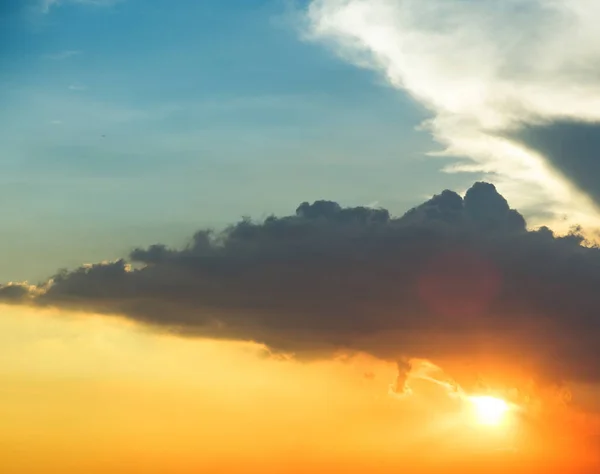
85,393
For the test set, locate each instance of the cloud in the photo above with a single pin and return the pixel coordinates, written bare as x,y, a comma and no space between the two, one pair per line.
77,87
485,69
61,55
46,5
16,292
573,147
454,277
410,371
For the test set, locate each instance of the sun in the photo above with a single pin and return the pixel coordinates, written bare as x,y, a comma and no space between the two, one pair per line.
489,410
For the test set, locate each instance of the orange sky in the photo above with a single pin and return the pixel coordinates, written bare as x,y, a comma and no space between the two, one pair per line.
82,393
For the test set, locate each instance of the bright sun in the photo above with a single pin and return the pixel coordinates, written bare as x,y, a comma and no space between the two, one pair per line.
489,410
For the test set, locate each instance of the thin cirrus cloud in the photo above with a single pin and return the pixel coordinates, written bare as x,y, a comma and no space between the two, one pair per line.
451,278
487,70
77,87
62,55
45,6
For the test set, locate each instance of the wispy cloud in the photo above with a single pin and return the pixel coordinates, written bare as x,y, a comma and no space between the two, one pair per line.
484,69
61,55
77,87
46,5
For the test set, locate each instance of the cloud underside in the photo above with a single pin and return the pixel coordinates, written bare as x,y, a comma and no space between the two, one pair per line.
487,70
453,277
573,147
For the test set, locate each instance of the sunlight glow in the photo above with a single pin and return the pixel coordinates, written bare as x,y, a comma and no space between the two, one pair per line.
489,410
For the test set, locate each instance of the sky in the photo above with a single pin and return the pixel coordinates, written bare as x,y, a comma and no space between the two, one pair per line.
328,235
151,121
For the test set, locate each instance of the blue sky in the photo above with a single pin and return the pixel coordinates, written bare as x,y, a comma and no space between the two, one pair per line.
138,122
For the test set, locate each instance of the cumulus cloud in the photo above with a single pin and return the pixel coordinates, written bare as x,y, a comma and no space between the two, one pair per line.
485,69
15,292
453,277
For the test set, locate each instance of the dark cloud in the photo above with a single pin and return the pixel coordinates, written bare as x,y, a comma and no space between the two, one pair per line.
573,148
454,276
14,292
400,387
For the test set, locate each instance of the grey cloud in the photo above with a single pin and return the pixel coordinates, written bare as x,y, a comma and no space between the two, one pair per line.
453,276
14,292
573,148
401,387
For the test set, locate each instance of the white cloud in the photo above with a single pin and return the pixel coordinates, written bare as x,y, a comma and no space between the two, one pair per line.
77,87
483,67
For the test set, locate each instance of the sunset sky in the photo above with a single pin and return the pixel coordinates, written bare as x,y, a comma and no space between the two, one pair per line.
300,236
